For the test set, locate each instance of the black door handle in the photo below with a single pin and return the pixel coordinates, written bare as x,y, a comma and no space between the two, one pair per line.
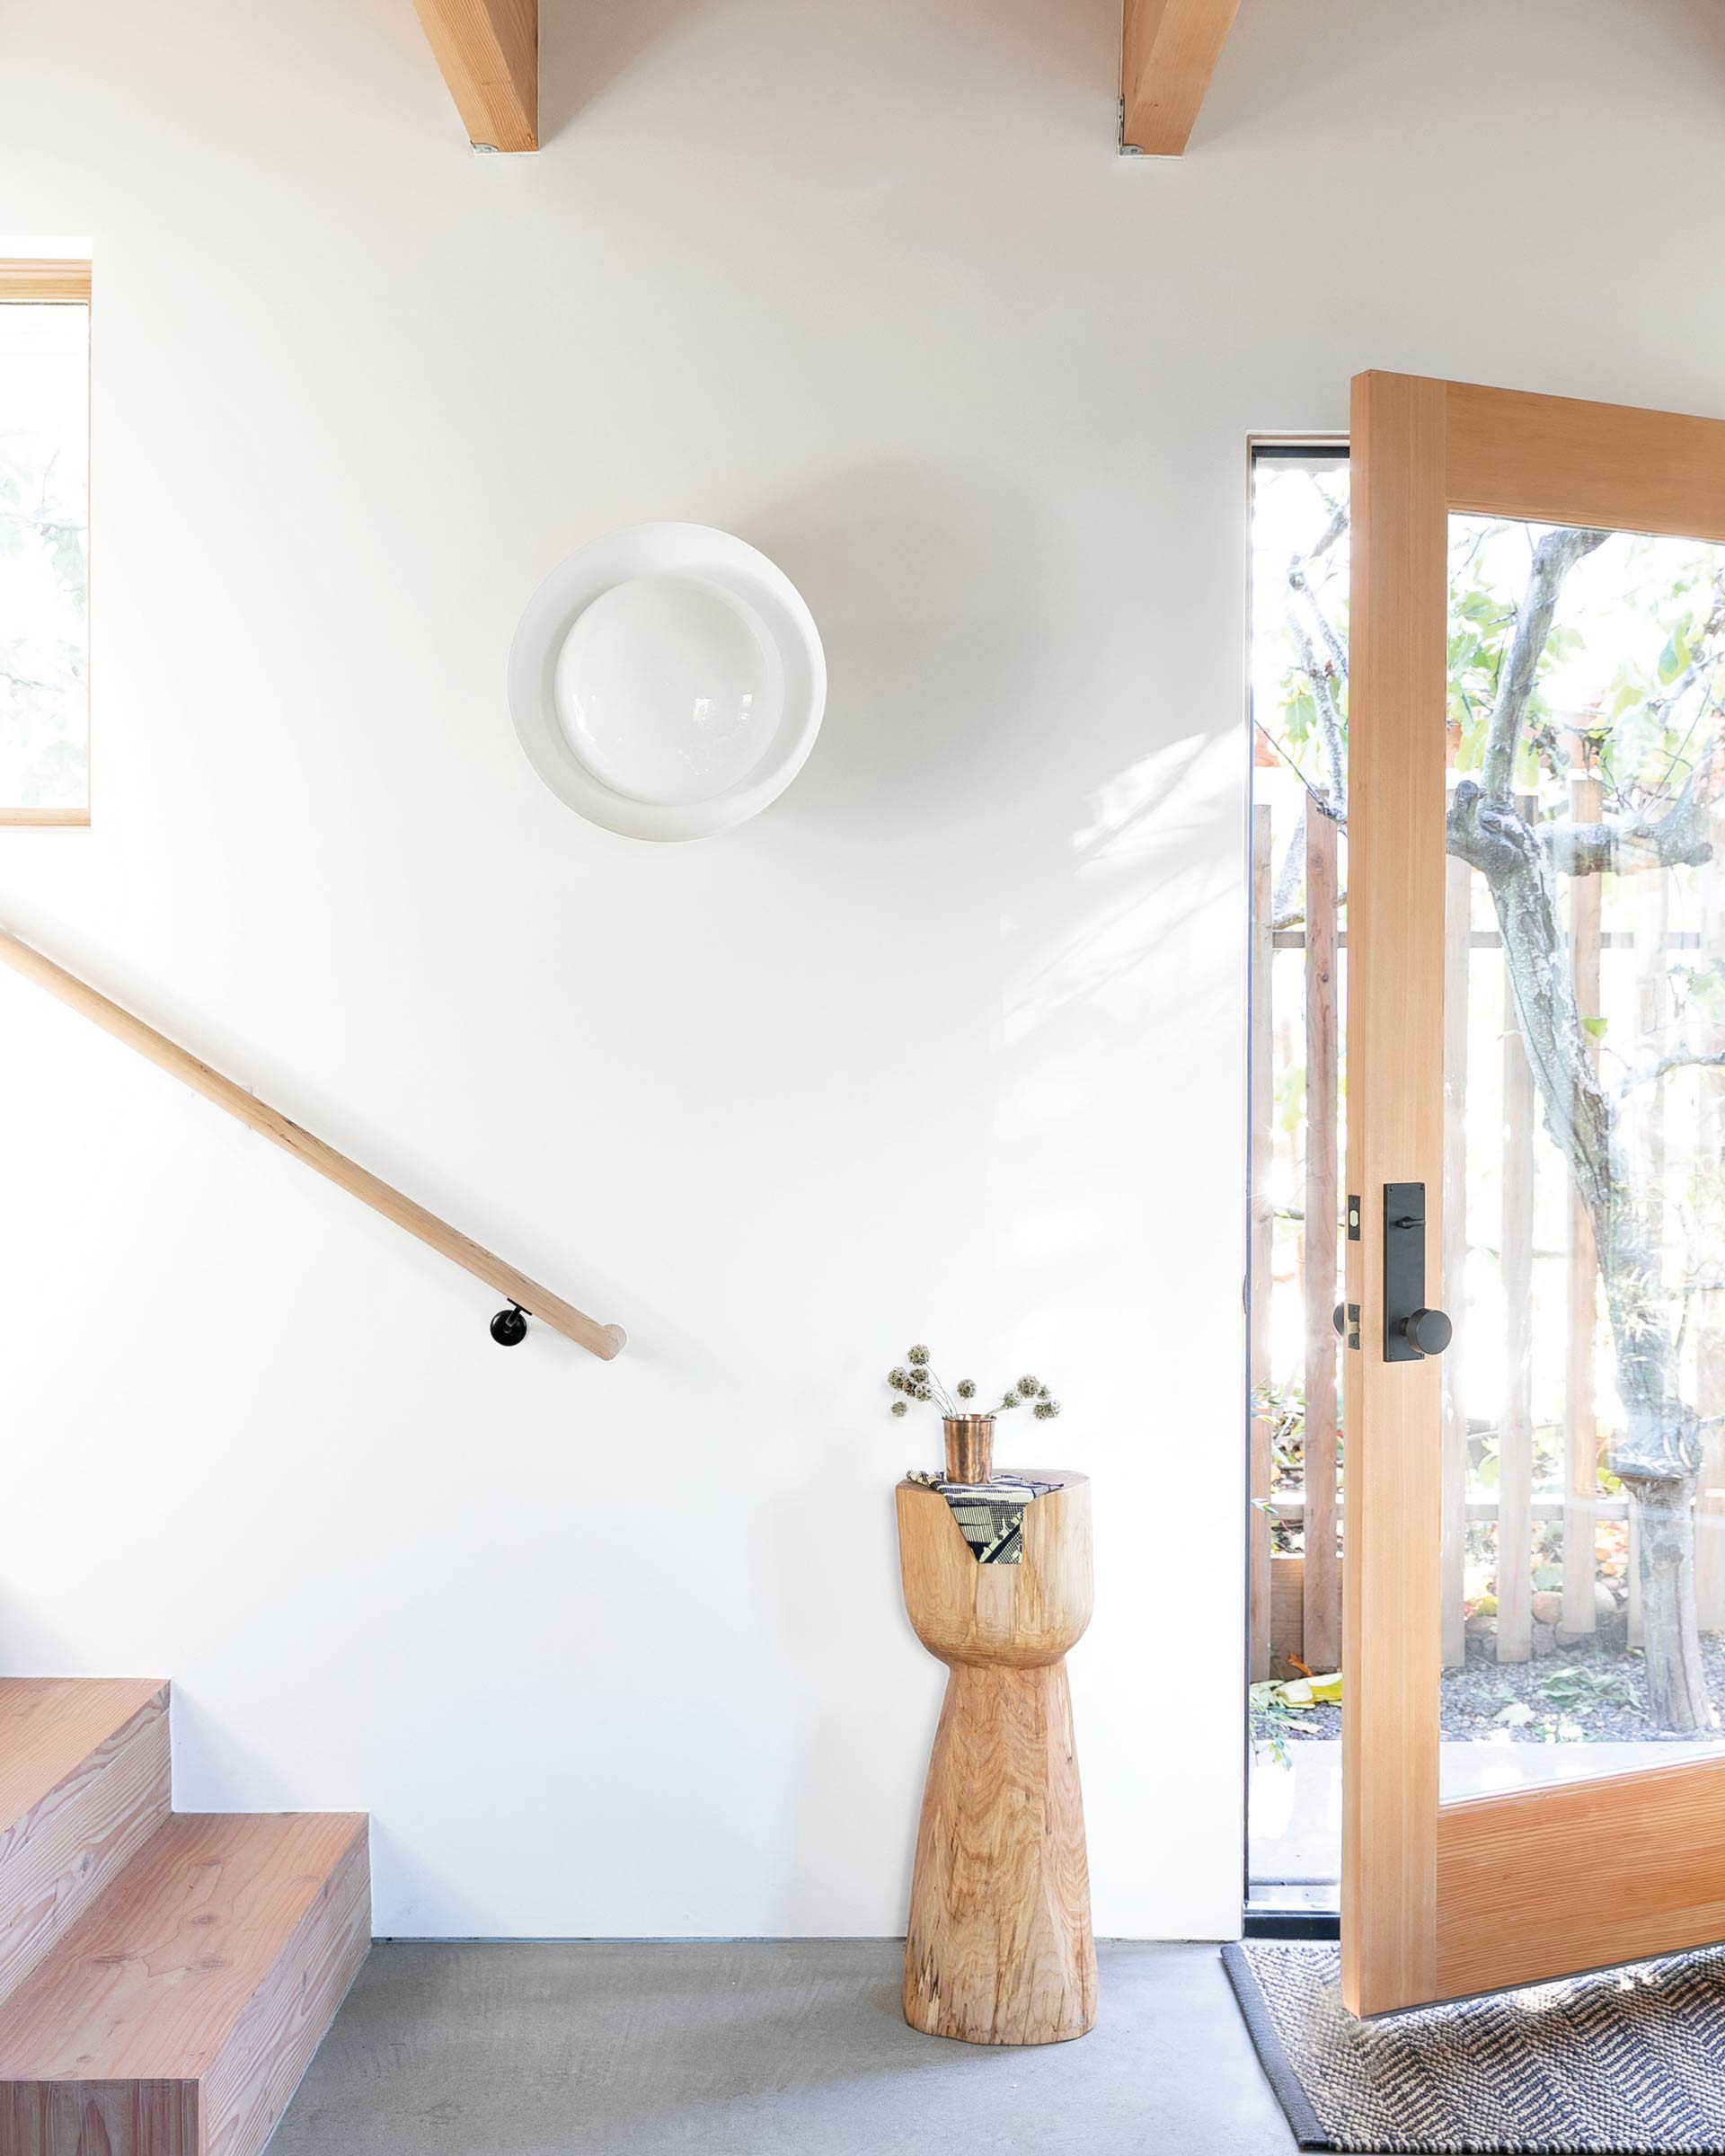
1412,1331
1426,1331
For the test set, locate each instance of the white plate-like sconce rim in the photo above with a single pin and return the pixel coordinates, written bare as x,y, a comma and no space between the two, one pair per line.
693,551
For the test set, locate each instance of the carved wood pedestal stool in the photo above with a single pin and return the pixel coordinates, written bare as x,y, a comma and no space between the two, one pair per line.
1000,1949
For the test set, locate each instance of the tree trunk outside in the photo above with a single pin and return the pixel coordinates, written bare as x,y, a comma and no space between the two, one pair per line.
1658,1453
1676,1680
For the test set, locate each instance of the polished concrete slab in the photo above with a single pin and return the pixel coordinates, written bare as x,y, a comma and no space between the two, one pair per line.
763,2048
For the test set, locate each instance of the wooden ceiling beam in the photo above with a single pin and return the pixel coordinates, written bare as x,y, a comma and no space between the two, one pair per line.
489,52
1168,54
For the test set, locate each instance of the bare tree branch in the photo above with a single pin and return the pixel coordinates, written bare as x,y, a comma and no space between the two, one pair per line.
1679,1059
1325,680
1681,837
1554,558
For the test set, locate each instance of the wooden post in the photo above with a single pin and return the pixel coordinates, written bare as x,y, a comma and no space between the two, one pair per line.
1263,1226
1515,1640
1458,887
1321,1615
1581,1414
1709,1303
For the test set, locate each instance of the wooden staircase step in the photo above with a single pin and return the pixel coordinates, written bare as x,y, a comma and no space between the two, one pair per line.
83,1785
177,2016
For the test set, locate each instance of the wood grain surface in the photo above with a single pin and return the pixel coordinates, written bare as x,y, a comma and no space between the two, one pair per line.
1559,460
179,2013
1015,1616
42,281
998,1947
83,1785
1392,1636
1169,49
270,2045
1612,1869
100,2118
489,54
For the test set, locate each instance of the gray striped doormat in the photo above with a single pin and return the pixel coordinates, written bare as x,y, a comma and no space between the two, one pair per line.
1630,2060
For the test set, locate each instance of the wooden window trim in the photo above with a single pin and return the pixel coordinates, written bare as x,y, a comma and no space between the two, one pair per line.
45,281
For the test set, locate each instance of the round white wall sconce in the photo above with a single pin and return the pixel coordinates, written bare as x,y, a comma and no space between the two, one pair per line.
667,681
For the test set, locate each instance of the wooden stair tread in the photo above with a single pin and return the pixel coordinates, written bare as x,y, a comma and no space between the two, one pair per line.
50,1725
152,1980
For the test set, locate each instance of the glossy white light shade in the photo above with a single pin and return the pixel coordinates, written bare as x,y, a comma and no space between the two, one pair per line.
667,681
670,689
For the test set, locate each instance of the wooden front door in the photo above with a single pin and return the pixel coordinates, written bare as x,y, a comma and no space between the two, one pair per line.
1513,803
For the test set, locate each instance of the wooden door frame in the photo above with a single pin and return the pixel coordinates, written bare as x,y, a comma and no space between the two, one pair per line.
1422,1919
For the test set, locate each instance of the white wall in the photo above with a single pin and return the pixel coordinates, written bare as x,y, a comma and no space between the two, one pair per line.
947,1045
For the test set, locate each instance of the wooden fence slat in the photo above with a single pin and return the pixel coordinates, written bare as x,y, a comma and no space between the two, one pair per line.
1635,1604
1322,1579
1261,1075
1458,886
1710,1304
1580,1412
1653,906
1515,1425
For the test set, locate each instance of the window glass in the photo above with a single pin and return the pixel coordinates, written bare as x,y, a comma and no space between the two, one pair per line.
44,561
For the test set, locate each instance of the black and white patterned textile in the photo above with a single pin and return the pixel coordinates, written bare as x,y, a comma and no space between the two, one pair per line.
1630,2060
990,1514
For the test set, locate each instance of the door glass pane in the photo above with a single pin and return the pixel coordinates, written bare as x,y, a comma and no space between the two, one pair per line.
1584,1436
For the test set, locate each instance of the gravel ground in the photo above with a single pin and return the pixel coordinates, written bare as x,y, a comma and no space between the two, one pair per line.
1575,1695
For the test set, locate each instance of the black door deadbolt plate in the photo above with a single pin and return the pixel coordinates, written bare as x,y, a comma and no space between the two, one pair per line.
1404,1266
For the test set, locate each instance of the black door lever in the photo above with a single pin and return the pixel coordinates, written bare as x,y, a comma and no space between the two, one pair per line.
1410,1330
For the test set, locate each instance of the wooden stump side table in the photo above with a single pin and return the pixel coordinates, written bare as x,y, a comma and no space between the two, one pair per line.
999,1947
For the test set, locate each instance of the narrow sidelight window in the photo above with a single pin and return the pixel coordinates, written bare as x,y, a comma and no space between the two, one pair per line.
44,542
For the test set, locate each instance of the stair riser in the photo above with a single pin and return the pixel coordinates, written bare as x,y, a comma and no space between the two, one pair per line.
63,1852
99,2118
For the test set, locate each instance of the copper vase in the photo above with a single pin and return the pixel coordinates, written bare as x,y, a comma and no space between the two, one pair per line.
969,1447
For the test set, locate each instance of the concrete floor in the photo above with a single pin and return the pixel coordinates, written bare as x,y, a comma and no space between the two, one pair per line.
763,2048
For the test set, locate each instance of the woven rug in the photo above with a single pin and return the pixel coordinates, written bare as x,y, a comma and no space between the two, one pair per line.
1631,2060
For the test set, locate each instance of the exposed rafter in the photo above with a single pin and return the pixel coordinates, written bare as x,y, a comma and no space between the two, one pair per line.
1167,57
489,52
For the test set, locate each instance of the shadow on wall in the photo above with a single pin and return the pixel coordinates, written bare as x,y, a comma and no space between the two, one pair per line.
587,47
930,583
1284,64
584,50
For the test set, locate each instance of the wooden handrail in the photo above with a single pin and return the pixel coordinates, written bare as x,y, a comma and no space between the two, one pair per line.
602,1341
